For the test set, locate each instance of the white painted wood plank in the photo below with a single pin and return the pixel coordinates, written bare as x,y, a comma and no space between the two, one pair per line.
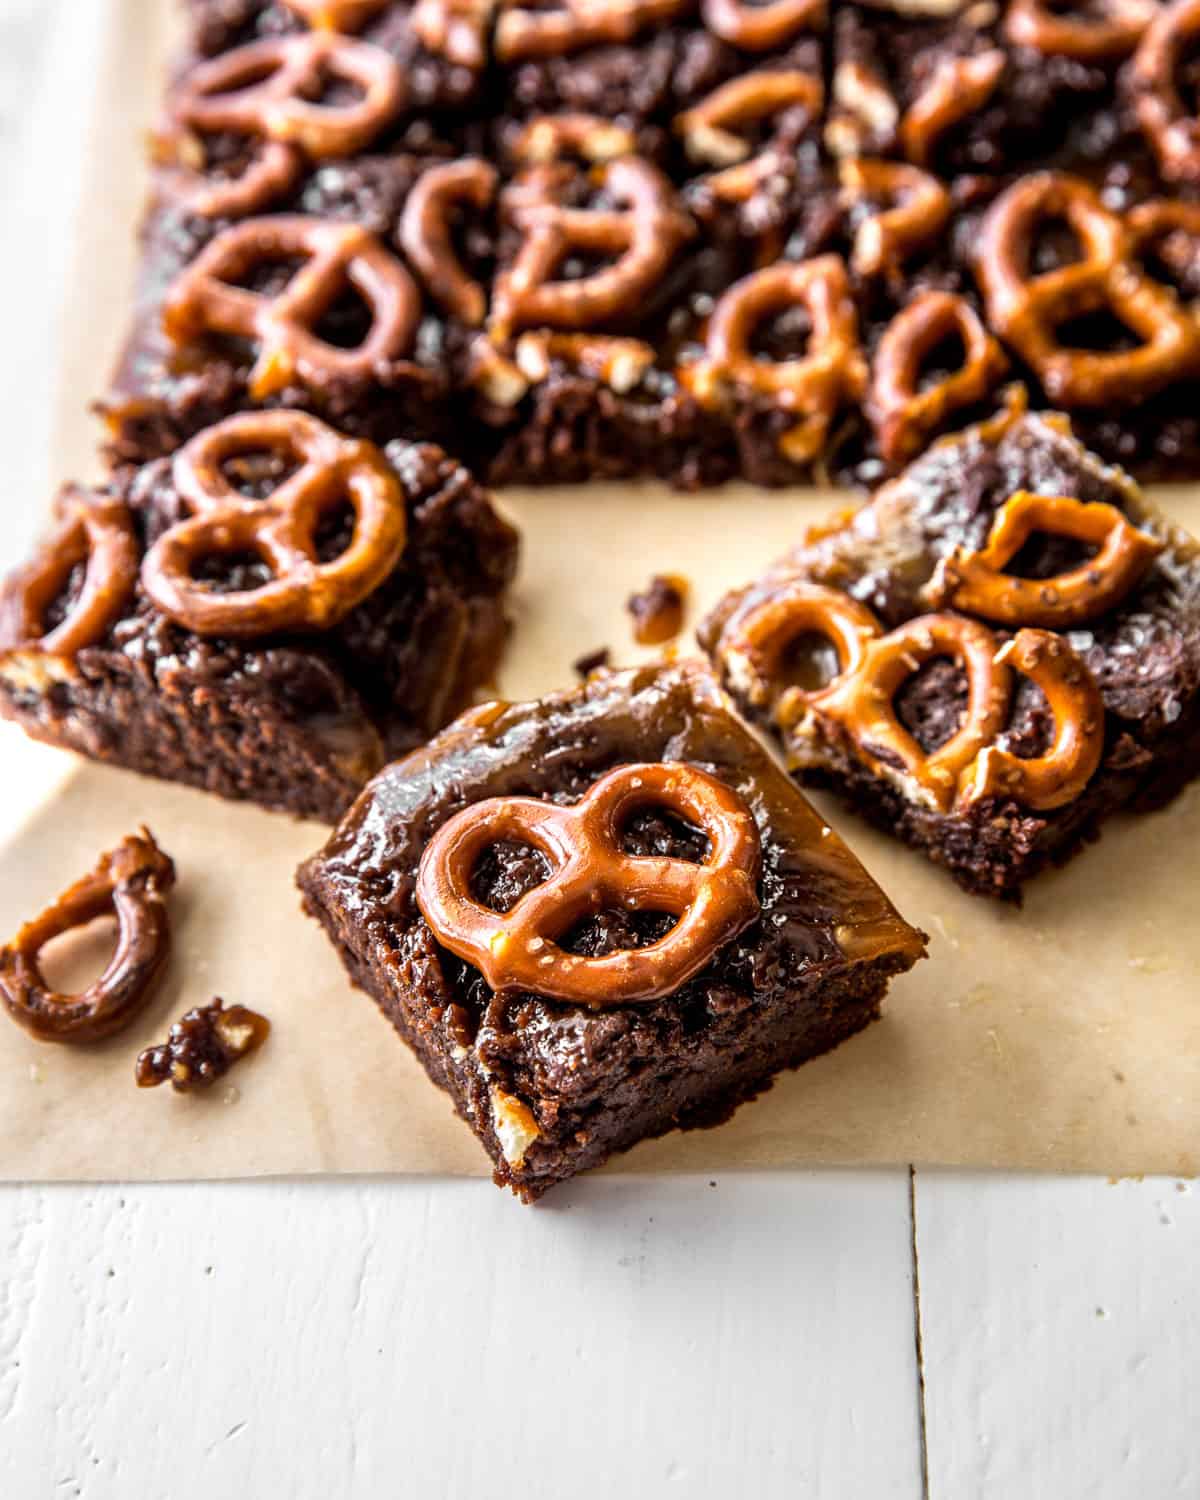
1060,1327
637,1335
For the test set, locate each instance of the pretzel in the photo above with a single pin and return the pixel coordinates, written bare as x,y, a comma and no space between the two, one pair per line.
976,581
1059,775
303,593
642,237
456,29
1170,228
335,15
959,86
1166,118
1027,310
270,174
861,703
497,378
886,239
268,89
519,949
617,363
204,300
523,34
424,234
592,138
1086,38
753,97
905,415
761,28
130,883
813,386
95,532
864,114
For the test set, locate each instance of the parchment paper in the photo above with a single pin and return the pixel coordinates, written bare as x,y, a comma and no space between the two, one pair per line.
1063,1036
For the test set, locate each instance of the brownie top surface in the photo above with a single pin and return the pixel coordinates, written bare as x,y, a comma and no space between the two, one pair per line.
818,908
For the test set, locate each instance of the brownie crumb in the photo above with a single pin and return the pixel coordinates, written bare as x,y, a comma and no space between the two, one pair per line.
593,661
201,1047
658,611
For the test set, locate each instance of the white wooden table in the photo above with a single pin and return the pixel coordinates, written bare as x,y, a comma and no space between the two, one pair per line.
841,1334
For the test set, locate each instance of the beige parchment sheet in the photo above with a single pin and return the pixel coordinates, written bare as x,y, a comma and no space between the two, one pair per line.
1062,1036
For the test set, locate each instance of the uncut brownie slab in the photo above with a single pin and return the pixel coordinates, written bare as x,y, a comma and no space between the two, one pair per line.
1090,607
290,702
552,1086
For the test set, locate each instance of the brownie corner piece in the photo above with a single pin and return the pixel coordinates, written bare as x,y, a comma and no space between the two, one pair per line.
988,659
271,615
601,916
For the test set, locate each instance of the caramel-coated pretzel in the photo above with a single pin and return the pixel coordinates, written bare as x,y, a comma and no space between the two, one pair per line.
591,138
761,28
1060,774
814,386
1086,38
1166,118
335,15
959,87
205,299
1027,310
642,237
976,581
921,209
267,89
425,234
519,949
303,593
129,883
526,33
94,531
709,130
905,415
456,29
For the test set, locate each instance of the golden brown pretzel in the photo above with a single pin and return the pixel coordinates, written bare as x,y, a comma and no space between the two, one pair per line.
814,386
519,949
205,299
861,703
425,233
522,33
906,414
547,138
335,15
266,89
976,581
95,532
1113,34
921,209
129,883
302,593
457,29
709,129
270,172
1166,118
761,28
959,87
641,236
1061,773
1169,229
618,363
1027,309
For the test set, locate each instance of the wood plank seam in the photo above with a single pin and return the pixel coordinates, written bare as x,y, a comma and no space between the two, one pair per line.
917,1334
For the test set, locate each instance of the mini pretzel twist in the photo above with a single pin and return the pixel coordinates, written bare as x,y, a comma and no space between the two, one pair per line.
303,593
129,883
268,88
813,386
591,138
1027,310
1114,34
205,299
335,15
519,949
456,29
1059,775
641,236
921,209
709,130
960,86
904,414
761,28
522,33
425,234
269,171
94,532
1167,119
976,581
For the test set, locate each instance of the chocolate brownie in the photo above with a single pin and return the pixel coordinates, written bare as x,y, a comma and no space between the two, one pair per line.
872,651
288,681
586,1018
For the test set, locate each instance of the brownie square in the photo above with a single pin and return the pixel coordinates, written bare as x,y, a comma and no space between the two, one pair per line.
294,718
554,1086
897,559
